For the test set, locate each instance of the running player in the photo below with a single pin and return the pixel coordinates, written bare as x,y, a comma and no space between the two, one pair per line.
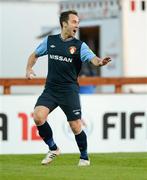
65,57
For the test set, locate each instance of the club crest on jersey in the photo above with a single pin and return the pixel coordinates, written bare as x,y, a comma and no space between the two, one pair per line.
72,49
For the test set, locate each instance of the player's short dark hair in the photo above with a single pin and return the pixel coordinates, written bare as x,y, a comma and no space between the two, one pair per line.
64,16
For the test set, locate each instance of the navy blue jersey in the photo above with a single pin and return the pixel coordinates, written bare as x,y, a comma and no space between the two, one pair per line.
64,60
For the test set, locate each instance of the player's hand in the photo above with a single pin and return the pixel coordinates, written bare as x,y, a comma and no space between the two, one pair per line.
104,61
30,74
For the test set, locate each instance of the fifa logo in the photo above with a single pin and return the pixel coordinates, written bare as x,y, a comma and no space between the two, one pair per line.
128,125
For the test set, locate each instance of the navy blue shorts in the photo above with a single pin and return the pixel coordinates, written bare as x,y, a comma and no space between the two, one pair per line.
69,102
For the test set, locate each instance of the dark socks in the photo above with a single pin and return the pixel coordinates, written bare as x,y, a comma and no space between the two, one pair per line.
81,140
46,134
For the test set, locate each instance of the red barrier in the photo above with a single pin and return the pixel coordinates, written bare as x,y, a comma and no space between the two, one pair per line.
118,82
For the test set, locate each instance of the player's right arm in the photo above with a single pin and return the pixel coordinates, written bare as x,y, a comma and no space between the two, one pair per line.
31,62
41,50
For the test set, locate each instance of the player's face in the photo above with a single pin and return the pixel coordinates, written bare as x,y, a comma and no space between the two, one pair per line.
72,25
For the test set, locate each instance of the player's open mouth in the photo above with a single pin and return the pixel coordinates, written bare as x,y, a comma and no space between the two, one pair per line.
74,31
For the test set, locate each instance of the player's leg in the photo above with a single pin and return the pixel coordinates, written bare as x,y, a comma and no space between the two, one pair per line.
45,131
73,114
42,108
81,139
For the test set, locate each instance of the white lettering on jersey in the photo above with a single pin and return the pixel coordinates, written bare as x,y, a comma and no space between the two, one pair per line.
60,58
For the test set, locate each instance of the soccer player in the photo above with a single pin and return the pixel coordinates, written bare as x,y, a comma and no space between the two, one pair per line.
65,57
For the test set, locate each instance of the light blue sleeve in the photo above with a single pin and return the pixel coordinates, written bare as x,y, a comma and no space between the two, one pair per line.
86,53
41,50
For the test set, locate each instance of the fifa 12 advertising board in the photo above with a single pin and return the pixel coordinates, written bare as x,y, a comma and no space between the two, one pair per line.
113,123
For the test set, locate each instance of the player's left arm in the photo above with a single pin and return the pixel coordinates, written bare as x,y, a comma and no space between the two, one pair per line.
100,61
87,55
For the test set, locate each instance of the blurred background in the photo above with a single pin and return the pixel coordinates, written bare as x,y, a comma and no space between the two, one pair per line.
115,28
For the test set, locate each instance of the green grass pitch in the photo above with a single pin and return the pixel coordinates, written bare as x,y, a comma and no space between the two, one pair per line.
113,166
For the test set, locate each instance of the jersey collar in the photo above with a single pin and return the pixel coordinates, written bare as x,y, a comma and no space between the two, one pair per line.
65,40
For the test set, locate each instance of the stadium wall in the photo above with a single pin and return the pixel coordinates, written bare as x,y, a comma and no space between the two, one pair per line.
0,39
134,23
134,38
21,24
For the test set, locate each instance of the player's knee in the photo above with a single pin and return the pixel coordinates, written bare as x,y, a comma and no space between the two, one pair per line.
39,117
76,130
75,126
